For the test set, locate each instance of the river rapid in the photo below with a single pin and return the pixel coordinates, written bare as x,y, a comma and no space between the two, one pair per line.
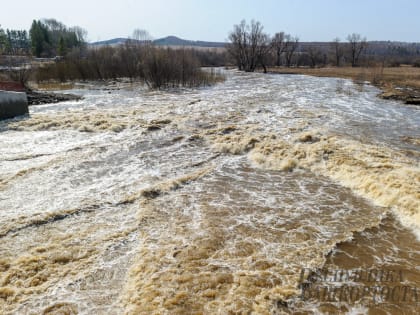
231,199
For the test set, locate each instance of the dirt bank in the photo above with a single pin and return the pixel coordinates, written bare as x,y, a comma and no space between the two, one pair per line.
39,98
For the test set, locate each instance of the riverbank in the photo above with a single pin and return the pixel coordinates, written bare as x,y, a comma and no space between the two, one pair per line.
39,98
398,83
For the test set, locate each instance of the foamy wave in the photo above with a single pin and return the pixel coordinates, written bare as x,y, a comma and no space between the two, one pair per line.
91,121
385,176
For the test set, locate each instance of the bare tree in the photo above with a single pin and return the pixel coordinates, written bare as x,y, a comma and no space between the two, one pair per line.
253,40
338,50
80,32
291,44
238,46
249,45
142,36
315,55
259,44
264,49
357,44
278,45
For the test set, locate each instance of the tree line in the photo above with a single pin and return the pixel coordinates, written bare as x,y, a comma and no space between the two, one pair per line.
50,38
14,42
250,47
46,38
139,59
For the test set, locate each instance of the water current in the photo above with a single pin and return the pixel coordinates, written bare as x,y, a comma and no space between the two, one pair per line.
259,195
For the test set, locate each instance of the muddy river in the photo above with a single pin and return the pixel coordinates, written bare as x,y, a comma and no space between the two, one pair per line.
264,194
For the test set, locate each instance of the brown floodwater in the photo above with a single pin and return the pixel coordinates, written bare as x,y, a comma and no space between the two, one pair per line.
265,194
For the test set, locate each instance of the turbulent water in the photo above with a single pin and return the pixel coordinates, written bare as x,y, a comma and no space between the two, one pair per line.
221,200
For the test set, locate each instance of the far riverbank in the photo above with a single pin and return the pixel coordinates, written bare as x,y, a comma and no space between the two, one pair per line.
397,83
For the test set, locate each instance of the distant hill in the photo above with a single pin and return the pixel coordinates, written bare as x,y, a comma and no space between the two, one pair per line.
166,41
176,41
110,42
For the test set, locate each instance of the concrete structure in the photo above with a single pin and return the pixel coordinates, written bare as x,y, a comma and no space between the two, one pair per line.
13,104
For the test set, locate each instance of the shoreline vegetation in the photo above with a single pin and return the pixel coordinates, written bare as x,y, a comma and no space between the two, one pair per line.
396,83
153,67
395,70
158,68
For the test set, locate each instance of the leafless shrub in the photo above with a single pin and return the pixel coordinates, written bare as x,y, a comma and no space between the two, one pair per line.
158,67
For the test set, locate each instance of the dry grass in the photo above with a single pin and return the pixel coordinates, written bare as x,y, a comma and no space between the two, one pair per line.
401,83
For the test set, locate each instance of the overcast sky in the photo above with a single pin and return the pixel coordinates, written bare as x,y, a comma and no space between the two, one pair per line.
310,20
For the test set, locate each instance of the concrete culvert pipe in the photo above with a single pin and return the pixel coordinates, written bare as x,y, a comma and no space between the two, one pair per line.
13,104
